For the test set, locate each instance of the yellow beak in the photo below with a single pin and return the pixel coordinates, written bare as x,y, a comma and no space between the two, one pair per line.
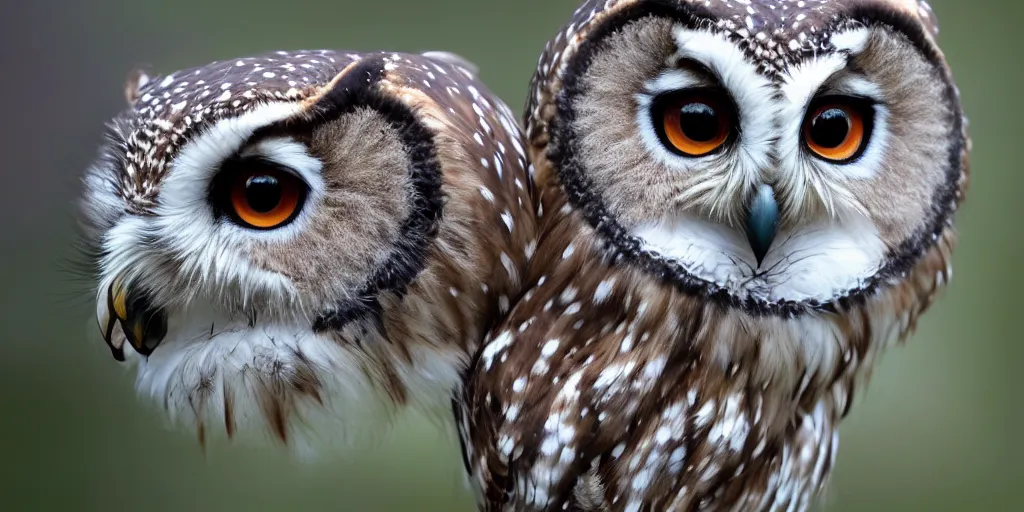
144,326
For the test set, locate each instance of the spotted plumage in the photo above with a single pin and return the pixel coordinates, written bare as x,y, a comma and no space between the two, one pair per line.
698,321
299,242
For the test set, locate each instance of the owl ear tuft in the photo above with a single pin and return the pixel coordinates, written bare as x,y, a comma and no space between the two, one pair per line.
136,81
453,59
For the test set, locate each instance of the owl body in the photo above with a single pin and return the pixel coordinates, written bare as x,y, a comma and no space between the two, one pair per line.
294,243
741,205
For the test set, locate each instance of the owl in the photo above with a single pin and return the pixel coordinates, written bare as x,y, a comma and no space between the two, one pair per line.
303,239
741,205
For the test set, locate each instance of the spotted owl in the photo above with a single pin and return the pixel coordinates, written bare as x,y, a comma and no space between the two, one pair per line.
306,238
741,204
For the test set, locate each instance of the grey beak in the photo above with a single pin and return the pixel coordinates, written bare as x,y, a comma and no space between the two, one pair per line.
762,221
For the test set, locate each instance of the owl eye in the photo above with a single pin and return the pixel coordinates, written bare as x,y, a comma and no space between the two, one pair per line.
693,123
261,195
837,129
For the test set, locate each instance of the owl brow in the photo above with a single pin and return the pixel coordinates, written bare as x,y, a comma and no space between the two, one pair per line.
696,67
703,73
839,85
280,129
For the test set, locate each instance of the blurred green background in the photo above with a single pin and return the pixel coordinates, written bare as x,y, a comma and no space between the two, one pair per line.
940,427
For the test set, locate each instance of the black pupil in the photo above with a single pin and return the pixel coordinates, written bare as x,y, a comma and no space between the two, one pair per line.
830,128
698,121
263,193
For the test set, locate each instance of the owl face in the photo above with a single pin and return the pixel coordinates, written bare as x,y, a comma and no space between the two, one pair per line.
298,235
775,156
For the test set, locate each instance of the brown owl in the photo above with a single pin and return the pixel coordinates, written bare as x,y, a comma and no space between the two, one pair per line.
742,203
306,238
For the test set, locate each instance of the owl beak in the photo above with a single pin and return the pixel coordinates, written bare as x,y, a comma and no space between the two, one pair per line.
144,326
762,221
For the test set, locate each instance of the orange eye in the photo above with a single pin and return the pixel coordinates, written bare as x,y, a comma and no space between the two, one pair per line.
836,131
263,196
693,124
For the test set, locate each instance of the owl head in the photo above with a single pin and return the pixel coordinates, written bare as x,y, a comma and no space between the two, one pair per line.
777,156
303,235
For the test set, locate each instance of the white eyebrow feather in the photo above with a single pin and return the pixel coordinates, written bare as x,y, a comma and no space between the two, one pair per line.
294,155
204,154
851,41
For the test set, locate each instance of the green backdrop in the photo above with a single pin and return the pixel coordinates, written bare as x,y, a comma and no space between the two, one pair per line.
938,429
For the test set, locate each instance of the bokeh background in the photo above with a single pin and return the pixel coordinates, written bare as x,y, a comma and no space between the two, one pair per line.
940,427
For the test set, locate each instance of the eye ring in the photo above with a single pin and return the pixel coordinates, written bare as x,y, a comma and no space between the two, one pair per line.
260,195
693,123
838,129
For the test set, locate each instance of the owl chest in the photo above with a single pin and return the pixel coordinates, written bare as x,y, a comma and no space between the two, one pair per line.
786,476
719,454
